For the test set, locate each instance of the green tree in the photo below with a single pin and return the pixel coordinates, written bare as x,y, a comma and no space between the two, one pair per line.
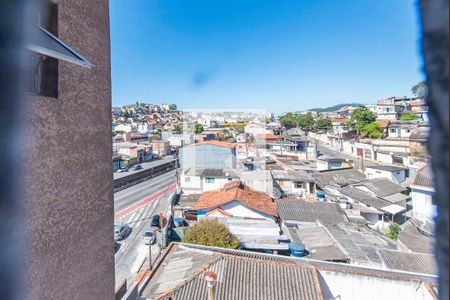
372,130
420,89
361,117
209,232
322,124
394,231
177,129
305,122
198,128
288,120
408,117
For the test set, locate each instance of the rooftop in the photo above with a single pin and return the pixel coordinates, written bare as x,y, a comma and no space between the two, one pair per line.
306,211
251,275
389,168
424,177
236,191
414,240
409,261
214,143
340,177
317,241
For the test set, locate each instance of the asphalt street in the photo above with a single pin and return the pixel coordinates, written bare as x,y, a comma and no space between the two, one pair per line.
145,165
135,206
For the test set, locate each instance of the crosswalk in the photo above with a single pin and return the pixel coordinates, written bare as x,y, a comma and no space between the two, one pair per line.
136,218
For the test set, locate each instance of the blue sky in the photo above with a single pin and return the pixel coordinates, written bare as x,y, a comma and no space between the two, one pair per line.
274,55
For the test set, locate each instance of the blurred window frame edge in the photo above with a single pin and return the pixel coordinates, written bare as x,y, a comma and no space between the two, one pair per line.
434,27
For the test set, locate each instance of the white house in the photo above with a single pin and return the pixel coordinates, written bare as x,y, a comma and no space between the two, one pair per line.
394,173
401,129
197,181
422,191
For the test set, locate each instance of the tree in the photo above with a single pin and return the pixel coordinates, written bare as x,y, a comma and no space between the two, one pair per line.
372,130
288,120
305,122
209,232
420,89
361,117
323,124
198,128
394,231
177,129
408,117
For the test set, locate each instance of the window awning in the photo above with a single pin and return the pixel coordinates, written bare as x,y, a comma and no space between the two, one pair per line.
45,43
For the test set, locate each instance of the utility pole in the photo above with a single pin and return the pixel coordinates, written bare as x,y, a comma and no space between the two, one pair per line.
150,255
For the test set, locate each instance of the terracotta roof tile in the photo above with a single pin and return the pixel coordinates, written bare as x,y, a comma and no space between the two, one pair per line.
215,143
235,190
338,120
383,123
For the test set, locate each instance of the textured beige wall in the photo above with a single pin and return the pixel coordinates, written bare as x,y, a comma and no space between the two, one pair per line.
69,203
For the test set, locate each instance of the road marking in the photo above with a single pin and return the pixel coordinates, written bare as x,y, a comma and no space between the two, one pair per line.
156,180
135,217
143,202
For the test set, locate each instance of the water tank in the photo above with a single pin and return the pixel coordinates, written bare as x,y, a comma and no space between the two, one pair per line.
297,249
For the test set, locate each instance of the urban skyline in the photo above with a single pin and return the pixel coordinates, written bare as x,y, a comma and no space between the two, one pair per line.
201,55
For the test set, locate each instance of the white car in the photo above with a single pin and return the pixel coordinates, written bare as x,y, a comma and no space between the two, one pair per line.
150,235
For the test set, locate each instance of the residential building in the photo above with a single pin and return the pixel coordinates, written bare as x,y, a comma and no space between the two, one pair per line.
249,215
422,191
285,277
387,109
209,155
401,129
298,183
160,148
260,180
394,173
326,162
418,141
236,199
420,108
197,181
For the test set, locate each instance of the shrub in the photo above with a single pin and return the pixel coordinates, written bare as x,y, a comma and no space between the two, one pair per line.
394,231
210,232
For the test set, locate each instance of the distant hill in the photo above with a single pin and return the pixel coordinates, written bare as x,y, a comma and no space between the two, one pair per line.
334,107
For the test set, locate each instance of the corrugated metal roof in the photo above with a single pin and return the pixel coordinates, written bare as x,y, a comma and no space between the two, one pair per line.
424,177
339,177
381,186
299,210
243,278
363,197
409,261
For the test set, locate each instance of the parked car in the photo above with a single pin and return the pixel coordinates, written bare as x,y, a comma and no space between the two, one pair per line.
180,222
121,170
136,167
121,231
150,235
155,221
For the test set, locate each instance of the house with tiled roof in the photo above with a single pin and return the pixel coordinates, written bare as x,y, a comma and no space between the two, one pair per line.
250,215
238,200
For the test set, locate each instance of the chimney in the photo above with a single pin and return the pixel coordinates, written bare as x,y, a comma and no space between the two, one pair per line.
211,278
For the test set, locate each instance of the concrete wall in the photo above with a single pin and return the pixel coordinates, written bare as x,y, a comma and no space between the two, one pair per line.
349,286
397,176
207,156
423,208
239,210
68,180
